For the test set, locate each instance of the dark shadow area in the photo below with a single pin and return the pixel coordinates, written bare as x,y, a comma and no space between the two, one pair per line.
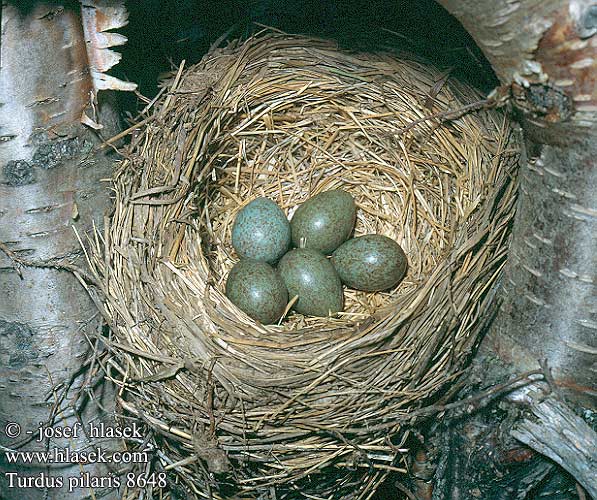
163,33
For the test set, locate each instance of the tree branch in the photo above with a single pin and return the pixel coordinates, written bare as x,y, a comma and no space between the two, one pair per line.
556,432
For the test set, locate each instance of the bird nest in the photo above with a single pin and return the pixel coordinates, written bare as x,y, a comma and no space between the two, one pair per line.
309,404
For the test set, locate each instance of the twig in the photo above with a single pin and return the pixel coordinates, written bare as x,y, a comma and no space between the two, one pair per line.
435,90
210,400
447,115
360,450
46,264
491,393
405,490
124,133
476,402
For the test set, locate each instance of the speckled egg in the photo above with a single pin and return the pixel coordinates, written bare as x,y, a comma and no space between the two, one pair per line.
324,221
372,263
261,231
258,290
308,274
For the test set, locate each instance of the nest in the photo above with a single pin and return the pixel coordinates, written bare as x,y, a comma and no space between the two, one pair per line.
310,404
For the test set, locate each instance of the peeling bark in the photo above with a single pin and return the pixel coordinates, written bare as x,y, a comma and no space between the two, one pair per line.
555,431
50,182
44,71
567,52
478,455
507,31
547,52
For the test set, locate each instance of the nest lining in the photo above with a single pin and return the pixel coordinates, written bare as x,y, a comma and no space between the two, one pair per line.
288,117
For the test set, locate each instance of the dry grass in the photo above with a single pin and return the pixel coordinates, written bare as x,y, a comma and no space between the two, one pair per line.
308,404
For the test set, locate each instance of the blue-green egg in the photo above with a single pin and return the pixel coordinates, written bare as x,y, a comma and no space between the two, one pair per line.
261,231
257,289
372,262
309,275
324,221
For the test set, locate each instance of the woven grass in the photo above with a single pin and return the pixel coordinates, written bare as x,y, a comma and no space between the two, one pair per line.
312,405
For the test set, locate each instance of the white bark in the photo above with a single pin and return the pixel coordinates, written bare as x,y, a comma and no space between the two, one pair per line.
48,184
546,51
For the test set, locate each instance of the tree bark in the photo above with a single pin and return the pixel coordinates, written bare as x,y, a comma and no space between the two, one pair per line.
554,430
545,54
50,183
543,51
473,452
549,286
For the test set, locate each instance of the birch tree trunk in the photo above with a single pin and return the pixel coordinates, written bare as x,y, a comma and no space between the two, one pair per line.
546,52
50,184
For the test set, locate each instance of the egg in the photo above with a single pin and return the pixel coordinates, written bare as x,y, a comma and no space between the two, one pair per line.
261,231
324,221
309,275
371,262
257,289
